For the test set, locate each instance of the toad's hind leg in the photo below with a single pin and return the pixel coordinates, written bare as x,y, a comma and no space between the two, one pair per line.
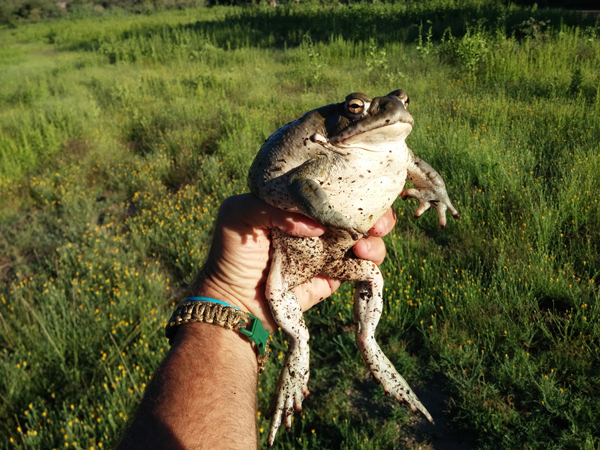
368,304
292,386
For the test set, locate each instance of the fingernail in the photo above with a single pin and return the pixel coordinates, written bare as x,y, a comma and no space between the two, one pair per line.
312,226
308,225
384,221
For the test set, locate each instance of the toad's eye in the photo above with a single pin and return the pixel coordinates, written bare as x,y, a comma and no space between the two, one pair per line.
356,106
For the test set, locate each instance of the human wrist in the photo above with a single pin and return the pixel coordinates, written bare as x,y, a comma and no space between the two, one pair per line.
216,312
221,346
209,284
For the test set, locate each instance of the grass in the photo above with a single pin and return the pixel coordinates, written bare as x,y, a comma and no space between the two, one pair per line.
119,138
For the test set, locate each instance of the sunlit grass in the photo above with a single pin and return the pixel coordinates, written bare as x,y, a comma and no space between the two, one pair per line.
120,138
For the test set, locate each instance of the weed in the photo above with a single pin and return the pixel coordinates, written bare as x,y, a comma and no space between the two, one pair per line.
534,29
427,47
311,63
576,81
376,58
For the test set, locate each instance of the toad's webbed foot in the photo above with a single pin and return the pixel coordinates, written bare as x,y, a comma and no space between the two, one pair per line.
385,373
430,191
292,389
438,199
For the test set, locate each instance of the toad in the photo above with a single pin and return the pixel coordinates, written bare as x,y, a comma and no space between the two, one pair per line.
343,165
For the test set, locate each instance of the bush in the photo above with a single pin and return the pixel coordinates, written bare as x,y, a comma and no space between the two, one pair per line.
29,10
14,11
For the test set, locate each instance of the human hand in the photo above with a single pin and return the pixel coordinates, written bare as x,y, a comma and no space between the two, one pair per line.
197,376
237,266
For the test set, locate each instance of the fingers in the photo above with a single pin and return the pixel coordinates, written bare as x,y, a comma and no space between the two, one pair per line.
371,248
441,209
246,210
314,291
412,193
424,205
295,224
440,201
384,225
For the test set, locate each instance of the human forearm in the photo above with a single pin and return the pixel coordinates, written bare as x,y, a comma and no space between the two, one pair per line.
202,396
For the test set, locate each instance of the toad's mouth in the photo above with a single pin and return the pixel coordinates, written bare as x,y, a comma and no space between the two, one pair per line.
383,138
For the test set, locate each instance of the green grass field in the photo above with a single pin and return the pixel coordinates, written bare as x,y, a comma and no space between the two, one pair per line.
120,136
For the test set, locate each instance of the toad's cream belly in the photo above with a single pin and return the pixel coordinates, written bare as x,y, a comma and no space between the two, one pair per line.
376,180
366,200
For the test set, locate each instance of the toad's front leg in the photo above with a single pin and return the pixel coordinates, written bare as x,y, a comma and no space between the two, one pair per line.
430,190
